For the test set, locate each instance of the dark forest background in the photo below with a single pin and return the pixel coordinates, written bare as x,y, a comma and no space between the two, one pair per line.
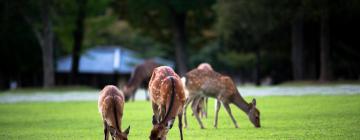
251,40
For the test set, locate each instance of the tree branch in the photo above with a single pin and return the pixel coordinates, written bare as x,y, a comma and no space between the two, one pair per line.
36,31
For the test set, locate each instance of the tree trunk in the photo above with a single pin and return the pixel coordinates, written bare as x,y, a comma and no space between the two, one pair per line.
78,39
47,47
325,61
257,69
180,39
297,49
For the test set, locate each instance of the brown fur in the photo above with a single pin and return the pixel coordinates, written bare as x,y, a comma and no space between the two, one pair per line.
205,66
140,74
205,83
168,98
201,103
111,106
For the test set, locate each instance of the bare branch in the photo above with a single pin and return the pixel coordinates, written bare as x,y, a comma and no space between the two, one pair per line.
36,31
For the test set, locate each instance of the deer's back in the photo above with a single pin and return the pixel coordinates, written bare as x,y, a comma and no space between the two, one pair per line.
156,84
209,83
111,101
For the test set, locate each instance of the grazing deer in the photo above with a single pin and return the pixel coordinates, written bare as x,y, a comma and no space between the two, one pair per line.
204,83
140,74
111,106
201,103
168,98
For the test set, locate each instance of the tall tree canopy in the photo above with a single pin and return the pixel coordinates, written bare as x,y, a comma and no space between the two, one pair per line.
168,22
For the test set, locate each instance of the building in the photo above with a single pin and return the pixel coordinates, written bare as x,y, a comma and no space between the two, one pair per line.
102,65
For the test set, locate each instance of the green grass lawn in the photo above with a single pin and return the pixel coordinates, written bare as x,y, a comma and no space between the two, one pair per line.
286,117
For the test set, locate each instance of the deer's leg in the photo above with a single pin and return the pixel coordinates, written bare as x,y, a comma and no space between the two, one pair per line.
201,106
205,107
133,96
217,109
147,95
180,125
155,113
227,107
196,103
106,131
187,102
194,109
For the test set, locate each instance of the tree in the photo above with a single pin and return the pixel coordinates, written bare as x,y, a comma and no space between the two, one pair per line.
297,44
71,17
43,31
78,38
165,21
249,20
325,59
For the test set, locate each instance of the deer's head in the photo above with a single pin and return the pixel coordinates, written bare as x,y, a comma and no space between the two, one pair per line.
254,114
160,130
117,135
128,92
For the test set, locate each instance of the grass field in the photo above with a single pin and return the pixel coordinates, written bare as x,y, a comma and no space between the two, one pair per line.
282,117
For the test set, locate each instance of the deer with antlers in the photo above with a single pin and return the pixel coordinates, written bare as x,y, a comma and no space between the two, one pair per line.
141,74
111,106
168,98
205,83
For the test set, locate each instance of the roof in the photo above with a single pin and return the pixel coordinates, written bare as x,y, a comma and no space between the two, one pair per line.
106,60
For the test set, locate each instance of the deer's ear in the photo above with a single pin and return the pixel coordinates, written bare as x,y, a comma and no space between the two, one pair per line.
254,102
127,131
170,123
154,120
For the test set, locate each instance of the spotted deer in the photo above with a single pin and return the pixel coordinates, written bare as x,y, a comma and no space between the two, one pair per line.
141,74
201,103
204,83
111,106
167,98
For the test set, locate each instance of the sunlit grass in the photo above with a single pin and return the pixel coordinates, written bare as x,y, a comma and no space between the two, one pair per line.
286,117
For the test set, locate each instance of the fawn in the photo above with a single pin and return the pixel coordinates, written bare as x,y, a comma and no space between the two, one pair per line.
205,83
111,106
168,98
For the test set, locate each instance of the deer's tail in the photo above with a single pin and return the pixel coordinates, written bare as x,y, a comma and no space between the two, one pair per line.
168,89
111,110
115,107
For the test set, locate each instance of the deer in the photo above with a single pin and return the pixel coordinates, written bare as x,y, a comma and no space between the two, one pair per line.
204,83
168,98
141,74
111,106
202,102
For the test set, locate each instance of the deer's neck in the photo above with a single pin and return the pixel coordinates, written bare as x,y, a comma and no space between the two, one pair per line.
134,82
240,102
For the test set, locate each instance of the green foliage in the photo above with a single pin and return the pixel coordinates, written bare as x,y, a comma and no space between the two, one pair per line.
287,117
154,18
237,60
66,12
108,30
205,54
251,19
